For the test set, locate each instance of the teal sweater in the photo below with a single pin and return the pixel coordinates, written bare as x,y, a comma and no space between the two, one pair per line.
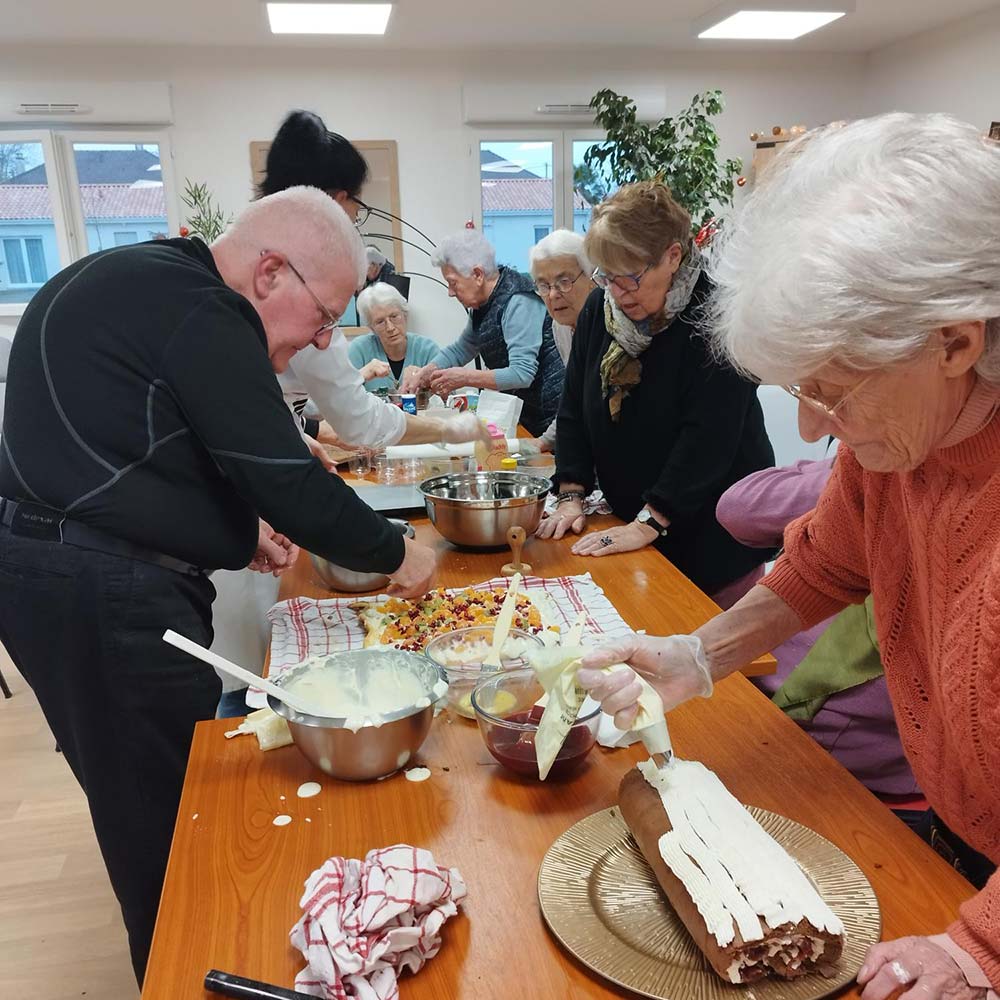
367,347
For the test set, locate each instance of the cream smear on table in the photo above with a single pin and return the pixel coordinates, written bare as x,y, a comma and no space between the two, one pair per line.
364,691
733,870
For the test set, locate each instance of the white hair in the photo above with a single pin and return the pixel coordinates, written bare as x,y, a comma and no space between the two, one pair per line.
303,223
375,256
465,251
560,243
380,294
859,243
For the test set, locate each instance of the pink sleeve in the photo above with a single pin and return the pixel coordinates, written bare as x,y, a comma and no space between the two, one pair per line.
824,567
977,929
757,509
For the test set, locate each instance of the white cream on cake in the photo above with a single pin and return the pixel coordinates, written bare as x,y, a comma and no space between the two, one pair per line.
734,871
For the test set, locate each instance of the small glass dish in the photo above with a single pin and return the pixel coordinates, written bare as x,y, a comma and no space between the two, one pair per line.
460,654
508,715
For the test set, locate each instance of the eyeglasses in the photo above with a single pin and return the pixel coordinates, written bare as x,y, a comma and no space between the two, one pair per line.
624,282
561,285
825,409
397,319
332,322
364,213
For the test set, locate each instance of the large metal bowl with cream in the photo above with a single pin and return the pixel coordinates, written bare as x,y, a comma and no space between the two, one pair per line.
374,710
477,508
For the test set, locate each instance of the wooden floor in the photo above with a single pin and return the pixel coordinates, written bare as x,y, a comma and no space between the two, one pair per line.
61,933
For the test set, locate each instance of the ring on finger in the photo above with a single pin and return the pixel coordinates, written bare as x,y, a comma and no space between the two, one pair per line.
606,540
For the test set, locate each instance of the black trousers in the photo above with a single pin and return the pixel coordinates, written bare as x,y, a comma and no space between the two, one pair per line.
84,630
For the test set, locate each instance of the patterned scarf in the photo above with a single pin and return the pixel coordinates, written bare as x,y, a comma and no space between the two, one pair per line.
621,368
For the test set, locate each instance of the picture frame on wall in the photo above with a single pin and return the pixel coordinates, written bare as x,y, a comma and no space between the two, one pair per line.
995,131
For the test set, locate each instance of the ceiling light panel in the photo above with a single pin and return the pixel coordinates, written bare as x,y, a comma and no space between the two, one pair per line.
328,18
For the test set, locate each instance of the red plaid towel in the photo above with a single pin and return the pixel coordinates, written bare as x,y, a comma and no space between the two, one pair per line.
367,921
302,627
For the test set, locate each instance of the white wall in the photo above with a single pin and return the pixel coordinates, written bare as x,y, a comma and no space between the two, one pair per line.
223,99
955,69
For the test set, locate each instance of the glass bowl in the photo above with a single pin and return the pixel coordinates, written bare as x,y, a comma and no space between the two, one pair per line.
460,655
508,717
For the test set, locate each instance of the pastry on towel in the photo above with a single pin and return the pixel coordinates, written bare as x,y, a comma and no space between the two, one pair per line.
743,899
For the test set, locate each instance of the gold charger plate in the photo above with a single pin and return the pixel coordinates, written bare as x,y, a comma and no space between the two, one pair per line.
602,901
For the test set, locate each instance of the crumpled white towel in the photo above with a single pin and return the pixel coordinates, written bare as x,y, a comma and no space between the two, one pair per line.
364,922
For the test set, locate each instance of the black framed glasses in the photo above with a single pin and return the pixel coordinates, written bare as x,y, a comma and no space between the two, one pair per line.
624,282
562,285
364,212
332,322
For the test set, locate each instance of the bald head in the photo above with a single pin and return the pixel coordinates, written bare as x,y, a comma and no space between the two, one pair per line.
298,259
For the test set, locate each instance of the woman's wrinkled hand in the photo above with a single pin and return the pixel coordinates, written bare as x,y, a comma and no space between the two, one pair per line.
928,971
568,516
610,541
675,666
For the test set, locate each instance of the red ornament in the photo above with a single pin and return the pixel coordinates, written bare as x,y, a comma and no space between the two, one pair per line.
184,230
741,181
470,224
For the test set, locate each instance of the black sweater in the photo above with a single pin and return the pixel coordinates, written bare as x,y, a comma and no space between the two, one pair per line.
686,433
141,401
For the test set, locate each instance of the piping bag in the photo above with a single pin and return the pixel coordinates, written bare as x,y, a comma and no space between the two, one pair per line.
556,669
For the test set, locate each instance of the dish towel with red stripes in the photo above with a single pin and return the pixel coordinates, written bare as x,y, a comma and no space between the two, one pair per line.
365,922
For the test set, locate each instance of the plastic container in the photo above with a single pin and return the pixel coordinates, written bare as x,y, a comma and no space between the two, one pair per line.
460,655
508,464
490,455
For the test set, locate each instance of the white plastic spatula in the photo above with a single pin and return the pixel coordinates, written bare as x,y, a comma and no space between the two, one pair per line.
240,673
503,623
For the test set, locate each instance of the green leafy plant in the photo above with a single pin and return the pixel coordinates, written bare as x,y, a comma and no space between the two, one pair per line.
206,220
682,151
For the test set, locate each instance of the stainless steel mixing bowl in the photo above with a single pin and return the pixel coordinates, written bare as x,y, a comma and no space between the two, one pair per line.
373,751
477,508
350,581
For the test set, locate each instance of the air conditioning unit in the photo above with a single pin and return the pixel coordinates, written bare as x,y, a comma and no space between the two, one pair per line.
126,103
509,102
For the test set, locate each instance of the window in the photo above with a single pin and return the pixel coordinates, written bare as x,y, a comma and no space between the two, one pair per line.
30,250
516,185
530,184
66,193
25,261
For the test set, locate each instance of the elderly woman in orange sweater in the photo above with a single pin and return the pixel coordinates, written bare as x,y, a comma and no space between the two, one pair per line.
863,275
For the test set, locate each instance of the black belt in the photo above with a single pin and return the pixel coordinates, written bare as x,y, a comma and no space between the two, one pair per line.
35,520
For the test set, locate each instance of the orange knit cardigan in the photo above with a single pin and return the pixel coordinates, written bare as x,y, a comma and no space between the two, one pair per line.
926,544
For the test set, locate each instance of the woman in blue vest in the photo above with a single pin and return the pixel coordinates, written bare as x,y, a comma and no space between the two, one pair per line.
508,328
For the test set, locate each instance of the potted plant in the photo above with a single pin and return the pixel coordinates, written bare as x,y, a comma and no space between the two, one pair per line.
206,220
682,151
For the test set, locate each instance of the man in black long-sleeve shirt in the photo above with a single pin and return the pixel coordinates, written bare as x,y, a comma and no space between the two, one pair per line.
143,437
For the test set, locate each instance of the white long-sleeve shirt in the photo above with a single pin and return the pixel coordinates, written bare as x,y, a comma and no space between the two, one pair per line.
334,385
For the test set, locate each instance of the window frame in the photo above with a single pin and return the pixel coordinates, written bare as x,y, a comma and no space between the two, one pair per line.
64,187
562,140
25,261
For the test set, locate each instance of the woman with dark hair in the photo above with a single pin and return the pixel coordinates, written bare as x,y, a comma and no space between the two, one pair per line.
305,151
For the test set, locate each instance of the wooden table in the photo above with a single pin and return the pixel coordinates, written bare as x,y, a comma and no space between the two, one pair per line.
234,879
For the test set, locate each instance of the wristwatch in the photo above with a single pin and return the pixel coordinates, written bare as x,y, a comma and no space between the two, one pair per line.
645,517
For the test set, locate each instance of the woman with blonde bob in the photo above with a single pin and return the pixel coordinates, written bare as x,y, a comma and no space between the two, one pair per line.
864,277
646,409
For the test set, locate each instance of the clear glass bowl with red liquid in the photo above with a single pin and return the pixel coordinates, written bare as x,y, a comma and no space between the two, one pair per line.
508,717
